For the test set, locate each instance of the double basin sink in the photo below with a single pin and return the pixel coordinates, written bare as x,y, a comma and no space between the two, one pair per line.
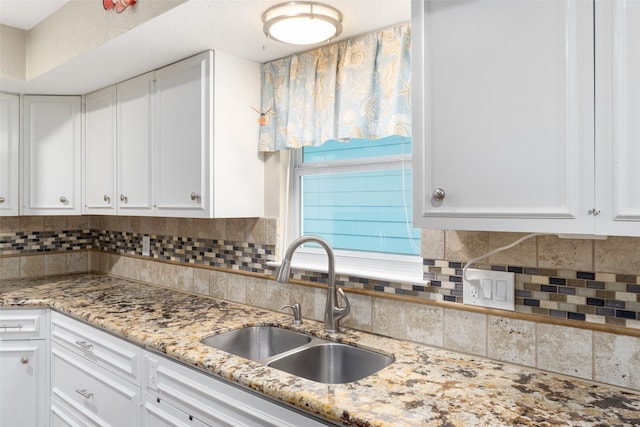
300,354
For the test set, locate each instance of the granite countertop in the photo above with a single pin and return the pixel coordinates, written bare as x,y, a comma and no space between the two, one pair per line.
424,386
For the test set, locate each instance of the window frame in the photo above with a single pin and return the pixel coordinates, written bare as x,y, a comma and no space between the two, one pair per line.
374,265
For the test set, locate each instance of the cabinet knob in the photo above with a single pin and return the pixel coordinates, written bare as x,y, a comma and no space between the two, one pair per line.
195,196
63,199
438,194
24,360
123,198
107,198
1,199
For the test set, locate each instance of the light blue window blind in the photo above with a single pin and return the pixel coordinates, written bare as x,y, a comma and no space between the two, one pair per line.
357,195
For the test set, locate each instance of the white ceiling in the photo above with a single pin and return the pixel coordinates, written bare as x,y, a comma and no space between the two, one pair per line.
26,14
233,26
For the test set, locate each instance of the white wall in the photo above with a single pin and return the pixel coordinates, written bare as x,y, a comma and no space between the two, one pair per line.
13,48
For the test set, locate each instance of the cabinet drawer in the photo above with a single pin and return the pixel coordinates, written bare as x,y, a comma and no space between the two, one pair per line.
159,413
21,324
102,348
61,416
91,392
214,401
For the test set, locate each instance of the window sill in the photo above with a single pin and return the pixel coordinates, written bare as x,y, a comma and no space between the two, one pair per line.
384,267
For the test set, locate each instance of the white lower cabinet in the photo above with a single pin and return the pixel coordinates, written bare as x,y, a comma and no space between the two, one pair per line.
213,401
23,368
100,379
94,376
22,388
91,393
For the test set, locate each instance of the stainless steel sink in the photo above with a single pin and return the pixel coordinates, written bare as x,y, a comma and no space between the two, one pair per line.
257,342
332,363
299,354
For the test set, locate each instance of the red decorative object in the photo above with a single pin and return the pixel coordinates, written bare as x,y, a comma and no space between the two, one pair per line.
263,120
120,5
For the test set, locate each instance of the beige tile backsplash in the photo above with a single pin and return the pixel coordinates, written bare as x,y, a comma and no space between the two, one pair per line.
425,324
465,331
617,360
565,350
619,255
567,254
31,266
511,340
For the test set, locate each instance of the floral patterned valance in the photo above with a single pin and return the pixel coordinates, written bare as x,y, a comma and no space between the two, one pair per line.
356,88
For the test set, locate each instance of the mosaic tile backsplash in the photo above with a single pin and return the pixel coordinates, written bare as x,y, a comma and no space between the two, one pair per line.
243,256
578,295
20,243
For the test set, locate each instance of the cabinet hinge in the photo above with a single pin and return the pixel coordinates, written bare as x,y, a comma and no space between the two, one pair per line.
593,212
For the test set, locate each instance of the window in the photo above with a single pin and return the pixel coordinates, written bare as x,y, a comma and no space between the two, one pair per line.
357,195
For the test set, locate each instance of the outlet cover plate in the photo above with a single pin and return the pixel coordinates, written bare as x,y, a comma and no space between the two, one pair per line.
493,289
145,245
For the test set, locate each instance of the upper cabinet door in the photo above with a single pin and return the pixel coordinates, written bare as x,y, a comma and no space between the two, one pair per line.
134,145
503,115
184,115
9,154
51,155
100,152
617,113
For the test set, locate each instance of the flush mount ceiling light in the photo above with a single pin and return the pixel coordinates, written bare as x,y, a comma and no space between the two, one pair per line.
302,22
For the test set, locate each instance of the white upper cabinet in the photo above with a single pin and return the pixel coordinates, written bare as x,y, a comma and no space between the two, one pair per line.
135,119
166,151
9,153
118,148
617,113
184,116
51,155
100,152
207,162
237,167
504,116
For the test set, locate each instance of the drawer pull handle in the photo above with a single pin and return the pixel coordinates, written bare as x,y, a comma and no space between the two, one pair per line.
24,360
18,326
84,393
85,345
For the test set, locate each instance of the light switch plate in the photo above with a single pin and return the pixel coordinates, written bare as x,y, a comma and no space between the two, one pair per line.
493,289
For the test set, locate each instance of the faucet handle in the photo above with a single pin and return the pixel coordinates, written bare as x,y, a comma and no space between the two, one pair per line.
347,308
297,316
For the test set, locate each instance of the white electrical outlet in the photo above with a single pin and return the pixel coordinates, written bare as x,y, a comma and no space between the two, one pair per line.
146,243
494,289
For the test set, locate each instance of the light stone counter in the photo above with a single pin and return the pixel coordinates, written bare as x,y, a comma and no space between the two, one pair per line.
424,386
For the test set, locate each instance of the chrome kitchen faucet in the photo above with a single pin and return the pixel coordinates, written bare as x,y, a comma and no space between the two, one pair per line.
332,313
